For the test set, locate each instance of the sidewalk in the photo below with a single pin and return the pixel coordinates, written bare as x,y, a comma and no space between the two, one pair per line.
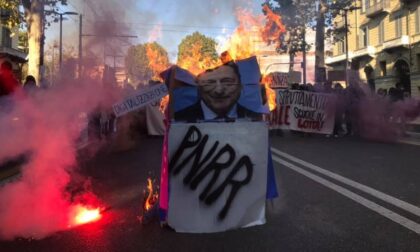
412,138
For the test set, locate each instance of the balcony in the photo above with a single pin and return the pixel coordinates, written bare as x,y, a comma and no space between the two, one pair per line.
407,1
378,8
340,24
367,51
335,59
17,55
403,41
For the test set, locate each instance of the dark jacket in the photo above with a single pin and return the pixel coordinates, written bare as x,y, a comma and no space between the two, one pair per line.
194,113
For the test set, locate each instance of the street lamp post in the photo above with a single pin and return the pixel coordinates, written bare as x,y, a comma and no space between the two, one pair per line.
60,55
346,10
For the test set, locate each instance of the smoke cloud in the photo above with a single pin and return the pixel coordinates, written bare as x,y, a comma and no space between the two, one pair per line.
377,117
44,124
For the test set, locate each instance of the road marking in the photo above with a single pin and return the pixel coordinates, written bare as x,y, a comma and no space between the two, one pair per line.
403,221
380,195
411,142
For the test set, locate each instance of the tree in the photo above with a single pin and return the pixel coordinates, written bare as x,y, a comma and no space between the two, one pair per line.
296,21
146,61
34,17
321,13
197,52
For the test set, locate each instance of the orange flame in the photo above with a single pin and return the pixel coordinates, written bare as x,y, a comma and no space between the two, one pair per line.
271,94
273,27
164,104
252,29
151,197
82,215
196,62
157,61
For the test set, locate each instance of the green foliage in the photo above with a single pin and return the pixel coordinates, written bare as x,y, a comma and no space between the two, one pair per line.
207,47
297,14
10,16
139,66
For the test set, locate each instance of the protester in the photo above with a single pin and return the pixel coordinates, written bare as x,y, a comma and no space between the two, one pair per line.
339,109
30,83
8,82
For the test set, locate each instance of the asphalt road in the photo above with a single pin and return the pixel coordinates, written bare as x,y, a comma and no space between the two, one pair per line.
335,195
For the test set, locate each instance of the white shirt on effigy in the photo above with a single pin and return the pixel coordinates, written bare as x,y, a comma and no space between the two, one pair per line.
210,115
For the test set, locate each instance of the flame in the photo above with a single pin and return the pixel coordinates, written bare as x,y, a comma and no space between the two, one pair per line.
82,215
196,62
252,29
271,94
273,27
158,62
164,104
151,197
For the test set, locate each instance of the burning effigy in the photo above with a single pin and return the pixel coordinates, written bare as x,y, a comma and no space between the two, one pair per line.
216,169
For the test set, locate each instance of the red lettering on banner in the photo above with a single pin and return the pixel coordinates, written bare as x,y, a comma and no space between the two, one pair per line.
309,124
280,116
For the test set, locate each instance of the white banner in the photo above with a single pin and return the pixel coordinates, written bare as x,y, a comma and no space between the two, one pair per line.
155,119
217,176
304,111
140,99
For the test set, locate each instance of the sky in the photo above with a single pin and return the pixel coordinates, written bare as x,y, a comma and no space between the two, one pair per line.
165,21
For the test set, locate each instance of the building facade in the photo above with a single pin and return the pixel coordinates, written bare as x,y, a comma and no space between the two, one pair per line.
383,43
9,46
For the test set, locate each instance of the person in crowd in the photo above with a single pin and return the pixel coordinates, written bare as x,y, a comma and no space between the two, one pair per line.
339,109
353,95
8,81
219,90
399,93
30,83
328,87
294,86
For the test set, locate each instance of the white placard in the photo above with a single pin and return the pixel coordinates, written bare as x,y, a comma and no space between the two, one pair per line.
304,111
140,99
217,176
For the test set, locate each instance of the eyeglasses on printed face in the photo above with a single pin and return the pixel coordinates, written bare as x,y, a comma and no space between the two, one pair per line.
213,83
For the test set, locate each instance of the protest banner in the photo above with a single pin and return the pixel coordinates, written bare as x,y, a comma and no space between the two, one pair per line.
140,99
303,111
279,80
218,176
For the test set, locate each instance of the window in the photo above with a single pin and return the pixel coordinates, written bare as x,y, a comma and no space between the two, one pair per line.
364,37
341,46
398,26
6,40
381,32
364,5
418,19
418,61
382,65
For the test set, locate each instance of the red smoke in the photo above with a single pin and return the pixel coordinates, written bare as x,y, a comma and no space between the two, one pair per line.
45,124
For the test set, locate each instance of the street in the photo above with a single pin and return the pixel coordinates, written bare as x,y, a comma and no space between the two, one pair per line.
343,194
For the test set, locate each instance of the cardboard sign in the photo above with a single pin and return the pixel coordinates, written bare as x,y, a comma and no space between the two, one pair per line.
304,111
217,176
279,80
140,99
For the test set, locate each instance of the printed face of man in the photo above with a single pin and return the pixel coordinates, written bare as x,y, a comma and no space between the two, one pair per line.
220,89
